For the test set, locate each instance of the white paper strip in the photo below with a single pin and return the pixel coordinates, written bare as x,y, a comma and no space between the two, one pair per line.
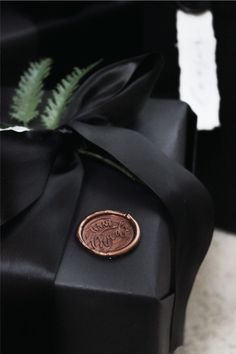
198,73
16,128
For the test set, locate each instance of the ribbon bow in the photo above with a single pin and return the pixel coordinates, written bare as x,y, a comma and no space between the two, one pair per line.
41,166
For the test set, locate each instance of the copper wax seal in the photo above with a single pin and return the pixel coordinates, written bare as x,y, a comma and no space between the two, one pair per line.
109,233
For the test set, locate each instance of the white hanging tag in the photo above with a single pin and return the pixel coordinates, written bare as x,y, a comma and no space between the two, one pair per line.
198,72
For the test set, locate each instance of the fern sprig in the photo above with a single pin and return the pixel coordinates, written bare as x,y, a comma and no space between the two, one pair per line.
29,93
61,96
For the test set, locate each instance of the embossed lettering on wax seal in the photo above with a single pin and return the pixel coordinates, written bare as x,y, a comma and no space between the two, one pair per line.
109,233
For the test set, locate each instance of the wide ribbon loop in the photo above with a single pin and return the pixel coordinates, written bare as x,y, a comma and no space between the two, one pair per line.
117,92
26,162
114,95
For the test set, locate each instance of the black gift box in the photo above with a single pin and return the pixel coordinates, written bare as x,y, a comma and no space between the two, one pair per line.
124,305
59,298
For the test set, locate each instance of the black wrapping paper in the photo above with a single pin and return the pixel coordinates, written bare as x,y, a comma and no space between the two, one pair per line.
56,296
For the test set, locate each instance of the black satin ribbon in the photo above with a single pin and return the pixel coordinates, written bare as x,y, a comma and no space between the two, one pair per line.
101,114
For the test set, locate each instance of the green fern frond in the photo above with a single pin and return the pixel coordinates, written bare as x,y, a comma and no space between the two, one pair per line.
61,96
29,93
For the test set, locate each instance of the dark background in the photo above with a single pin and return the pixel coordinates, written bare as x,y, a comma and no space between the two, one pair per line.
78,33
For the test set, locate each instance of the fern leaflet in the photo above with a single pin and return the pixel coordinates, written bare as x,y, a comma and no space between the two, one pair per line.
29,93
61,96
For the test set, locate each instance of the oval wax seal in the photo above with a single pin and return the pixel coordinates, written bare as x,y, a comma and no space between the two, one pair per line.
109,233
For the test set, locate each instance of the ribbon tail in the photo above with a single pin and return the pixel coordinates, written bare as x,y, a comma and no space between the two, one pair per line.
184,198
